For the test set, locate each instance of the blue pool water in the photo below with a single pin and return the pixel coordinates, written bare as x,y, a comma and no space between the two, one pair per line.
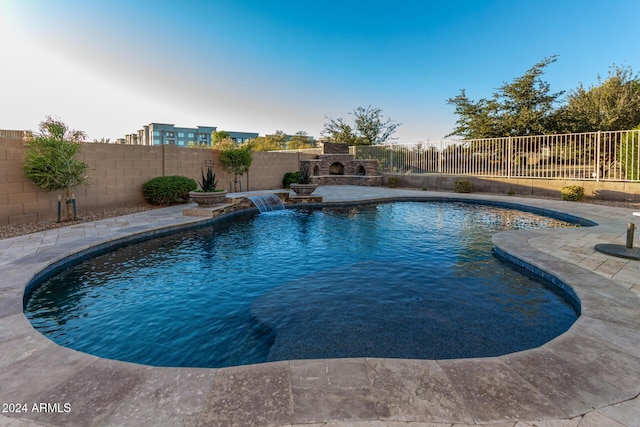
405,279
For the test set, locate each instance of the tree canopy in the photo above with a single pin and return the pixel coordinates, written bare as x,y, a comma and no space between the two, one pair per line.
300,140
281,141
612,104
218,136
369,128
526,106
522,107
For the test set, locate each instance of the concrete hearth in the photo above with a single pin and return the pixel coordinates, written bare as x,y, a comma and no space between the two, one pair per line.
336,166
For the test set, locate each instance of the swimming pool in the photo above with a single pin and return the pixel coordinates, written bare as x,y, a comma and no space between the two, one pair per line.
412,280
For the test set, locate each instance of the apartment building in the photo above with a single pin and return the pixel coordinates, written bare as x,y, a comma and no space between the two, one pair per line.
169,134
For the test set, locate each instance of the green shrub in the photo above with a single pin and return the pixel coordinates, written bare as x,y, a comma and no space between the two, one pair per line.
290,178
393,182
572,193
168,190
463,186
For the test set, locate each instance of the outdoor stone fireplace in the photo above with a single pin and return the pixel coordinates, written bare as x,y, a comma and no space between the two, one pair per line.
336,166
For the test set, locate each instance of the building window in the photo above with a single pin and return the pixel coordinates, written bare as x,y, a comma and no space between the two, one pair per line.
203,136
191,135
156,141
180,134
156,133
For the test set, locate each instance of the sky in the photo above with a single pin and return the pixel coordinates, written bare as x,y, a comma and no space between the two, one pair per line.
110,67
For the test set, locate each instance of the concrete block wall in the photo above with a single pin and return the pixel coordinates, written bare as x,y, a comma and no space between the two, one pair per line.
268,169
117,172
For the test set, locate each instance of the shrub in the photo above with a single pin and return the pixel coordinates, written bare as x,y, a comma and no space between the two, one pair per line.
463,186
290,178
393,182
168,190
572,193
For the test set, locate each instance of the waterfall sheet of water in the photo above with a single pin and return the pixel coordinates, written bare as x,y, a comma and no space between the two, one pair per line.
267,202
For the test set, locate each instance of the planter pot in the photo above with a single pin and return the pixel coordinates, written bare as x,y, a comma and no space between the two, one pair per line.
210,198
303,189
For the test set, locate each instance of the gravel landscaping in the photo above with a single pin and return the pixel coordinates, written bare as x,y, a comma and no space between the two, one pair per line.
7,231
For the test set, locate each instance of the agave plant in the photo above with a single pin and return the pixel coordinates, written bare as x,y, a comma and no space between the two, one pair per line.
304,177
208,182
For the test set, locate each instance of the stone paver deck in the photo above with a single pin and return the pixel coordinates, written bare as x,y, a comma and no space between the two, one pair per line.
589,376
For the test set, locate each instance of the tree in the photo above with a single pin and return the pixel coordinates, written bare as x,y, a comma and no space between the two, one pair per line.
264,143
279,139
300,140
476,120
235,159
613,104
49,159
218,136
523,107
276,141
369,128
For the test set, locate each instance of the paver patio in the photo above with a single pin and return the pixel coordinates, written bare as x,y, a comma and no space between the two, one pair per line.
589,376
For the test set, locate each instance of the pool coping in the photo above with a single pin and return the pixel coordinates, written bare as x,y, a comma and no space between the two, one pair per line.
590,372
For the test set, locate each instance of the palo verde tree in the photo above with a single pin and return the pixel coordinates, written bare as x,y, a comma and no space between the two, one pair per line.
235,159
522,107
49,159
369,128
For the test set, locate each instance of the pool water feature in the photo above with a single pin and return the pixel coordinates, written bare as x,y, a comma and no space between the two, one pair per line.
408,280
267,202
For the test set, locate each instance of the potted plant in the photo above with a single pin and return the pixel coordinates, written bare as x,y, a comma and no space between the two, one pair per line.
208,195
304,187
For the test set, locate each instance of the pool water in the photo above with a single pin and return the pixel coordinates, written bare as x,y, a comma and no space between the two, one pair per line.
404,279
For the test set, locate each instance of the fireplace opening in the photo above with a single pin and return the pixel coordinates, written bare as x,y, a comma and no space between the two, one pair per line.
336,169
360,171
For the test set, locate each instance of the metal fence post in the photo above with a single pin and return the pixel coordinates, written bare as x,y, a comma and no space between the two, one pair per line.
598,157
509,158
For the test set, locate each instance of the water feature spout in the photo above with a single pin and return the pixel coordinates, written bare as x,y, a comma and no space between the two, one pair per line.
267,202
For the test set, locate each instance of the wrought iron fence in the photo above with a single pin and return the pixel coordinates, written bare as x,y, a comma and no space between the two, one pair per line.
612,156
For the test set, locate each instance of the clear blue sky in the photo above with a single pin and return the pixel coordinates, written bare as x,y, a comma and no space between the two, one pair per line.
109,67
